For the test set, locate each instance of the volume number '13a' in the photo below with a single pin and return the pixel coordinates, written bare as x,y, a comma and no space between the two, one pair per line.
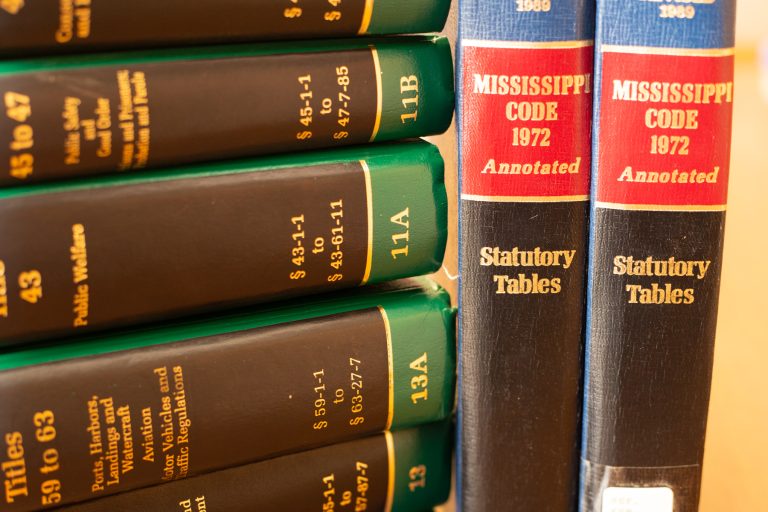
420,382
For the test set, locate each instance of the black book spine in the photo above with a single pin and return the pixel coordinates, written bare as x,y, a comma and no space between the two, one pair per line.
100,254
119,112
80,25
153,406
525,109
664,91
405,471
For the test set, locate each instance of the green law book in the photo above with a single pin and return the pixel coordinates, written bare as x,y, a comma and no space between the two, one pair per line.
62,117
403,471
111,413
102,253
77,25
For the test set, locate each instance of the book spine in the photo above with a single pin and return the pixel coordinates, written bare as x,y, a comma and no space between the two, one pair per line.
87,24
112,422
403,471
94,256
662,123
80,116
525,91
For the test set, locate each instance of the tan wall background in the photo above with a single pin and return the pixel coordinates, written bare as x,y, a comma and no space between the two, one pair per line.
736,460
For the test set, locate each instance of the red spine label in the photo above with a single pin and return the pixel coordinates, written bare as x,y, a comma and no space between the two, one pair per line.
660,117
526,120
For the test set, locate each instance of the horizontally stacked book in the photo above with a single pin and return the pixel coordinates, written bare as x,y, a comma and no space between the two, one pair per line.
142,368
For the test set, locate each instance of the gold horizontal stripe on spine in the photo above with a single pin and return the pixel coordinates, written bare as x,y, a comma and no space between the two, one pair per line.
663,207
524,199
391,471
682,52
369,206
481,43
367,15
391,373
379,93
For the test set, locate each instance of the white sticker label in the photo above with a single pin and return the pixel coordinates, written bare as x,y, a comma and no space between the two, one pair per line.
638,499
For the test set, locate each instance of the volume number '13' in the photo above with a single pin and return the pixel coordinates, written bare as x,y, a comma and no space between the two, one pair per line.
418,476
45,433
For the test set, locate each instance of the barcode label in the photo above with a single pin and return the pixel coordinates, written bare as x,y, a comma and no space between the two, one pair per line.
638,499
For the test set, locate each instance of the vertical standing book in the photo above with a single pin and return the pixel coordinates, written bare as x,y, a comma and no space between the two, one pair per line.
525,106
664,86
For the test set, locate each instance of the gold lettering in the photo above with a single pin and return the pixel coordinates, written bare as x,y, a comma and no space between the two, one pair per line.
3,291
401,219
12,6
673,92
532,85
409,89
15,469
74,20
535,168
134,118
420,381
516,257
672,267
658,294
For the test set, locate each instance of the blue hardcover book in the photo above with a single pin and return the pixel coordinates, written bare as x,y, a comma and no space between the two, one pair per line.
662,123
525,86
